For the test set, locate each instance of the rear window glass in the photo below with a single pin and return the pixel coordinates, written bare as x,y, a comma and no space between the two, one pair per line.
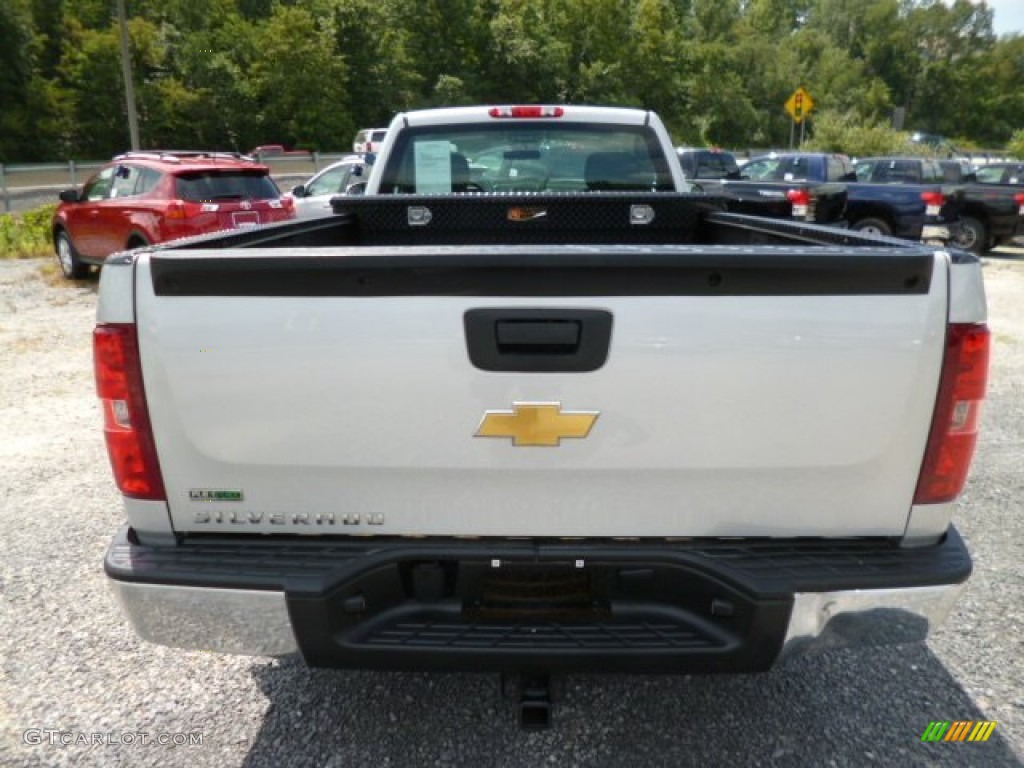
790,169
990,175
527,157
201,186
708,164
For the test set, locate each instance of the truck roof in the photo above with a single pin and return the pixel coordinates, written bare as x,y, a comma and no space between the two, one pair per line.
477,114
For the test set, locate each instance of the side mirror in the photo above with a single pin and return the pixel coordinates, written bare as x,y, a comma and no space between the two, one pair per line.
299,190
70,196
359,188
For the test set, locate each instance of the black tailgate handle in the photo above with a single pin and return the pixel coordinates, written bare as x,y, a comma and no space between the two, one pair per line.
538,340
538,337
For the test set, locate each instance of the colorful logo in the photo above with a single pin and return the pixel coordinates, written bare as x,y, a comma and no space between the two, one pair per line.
960,730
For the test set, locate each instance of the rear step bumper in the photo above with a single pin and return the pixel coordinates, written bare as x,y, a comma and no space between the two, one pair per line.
695,606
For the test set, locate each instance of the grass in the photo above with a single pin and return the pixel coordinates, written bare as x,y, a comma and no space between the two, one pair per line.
26,235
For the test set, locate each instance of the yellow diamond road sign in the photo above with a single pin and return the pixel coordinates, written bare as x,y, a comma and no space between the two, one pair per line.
799,104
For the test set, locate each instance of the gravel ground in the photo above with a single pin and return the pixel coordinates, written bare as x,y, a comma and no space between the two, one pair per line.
73,670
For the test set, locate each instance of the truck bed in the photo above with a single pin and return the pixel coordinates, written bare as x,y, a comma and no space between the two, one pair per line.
738,388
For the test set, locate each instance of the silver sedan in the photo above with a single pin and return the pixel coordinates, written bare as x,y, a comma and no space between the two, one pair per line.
314,197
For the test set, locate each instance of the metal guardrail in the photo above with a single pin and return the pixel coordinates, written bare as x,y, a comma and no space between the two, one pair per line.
976,156
20,181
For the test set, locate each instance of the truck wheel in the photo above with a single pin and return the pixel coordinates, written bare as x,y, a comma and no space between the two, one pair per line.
872,227
969,233
67,257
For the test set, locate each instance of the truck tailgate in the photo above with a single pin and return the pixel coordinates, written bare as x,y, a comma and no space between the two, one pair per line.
745,391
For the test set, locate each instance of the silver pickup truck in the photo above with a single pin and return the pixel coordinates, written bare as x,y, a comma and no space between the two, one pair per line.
528,407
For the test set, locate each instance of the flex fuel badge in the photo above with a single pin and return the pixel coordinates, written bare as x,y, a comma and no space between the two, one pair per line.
214,494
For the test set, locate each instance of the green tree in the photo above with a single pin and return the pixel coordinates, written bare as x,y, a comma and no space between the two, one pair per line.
90,75
236,73
16,68
1000,101
298,83
952,44
653,73
381,78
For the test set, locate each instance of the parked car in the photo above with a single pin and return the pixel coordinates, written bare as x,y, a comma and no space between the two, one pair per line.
911,211
783,185
906,197
143,198
369,140
708,163
314,197
1001,173
993,212
277,150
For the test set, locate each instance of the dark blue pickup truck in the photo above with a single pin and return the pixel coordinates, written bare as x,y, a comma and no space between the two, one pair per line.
993,212
883,204
918,185
716,172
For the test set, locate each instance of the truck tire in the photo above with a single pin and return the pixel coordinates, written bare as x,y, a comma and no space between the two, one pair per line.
970,234
872,226
67,257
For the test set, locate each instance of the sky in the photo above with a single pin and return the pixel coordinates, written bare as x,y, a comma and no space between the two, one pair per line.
1009,16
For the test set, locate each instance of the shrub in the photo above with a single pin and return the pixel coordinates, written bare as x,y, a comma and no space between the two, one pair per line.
1016,145
26,235
856,137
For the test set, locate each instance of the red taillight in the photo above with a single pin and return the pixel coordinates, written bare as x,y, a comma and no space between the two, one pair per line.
526,111
125,417
933,198
1019,199
954,428
801,199
180,209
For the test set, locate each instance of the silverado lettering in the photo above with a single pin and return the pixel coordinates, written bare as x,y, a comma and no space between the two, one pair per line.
278,518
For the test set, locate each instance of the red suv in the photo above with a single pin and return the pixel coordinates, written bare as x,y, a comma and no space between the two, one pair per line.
143,198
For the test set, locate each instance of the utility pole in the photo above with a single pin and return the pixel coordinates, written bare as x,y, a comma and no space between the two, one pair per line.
126,70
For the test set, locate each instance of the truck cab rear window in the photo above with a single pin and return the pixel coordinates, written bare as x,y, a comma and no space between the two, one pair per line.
527,158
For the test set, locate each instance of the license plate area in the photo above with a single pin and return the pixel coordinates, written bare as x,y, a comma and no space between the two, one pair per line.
537,592
933,210
245,219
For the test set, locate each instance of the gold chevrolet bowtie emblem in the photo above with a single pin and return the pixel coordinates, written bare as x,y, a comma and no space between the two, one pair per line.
536,424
